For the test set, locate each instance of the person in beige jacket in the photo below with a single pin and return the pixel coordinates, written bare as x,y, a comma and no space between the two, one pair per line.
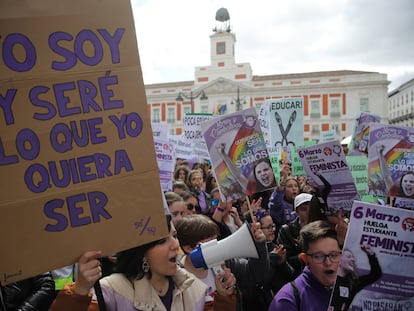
147,278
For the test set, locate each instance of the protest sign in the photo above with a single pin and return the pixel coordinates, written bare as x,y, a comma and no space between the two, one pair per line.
327,136
391,160
297,167
404,203
358,166
286,122
160,130
165,159
192,130
328,172
360,136
183,148
236,147
264,121
376,270
77,162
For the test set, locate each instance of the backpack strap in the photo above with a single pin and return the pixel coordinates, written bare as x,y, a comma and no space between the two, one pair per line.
296,293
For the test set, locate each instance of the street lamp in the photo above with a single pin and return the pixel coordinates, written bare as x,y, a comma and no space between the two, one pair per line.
239,102
191,97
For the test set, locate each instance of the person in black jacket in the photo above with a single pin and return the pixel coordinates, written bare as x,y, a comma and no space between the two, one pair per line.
280,271
32,294
289,233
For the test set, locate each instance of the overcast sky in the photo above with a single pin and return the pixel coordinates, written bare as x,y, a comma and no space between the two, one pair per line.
278,37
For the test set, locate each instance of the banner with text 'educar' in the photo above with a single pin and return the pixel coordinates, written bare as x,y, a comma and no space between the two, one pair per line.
77,162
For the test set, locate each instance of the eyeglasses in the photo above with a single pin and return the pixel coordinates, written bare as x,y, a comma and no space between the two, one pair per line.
321,257
270,227
191,206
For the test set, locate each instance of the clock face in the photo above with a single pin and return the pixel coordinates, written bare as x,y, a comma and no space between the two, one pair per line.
221,48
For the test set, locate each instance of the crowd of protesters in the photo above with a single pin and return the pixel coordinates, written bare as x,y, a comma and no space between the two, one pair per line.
299,251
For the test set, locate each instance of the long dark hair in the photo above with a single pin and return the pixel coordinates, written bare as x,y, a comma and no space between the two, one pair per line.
129,262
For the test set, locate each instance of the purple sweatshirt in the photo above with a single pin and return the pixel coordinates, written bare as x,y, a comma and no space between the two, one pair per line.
313,295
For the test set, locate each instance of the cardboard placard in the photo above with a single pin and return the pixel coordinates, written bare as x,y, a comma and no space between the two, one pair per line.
77,161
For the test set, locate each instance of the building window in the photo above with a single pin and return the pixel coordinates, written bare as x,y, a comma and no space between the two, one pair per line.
187,109
204,109
315,129
315,109
156,115
170,115
221,47
363,104
335,108
336,128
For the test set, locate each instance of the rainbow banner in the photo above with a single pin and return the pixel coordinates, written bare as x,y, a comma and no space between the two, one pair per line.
236,146
391,160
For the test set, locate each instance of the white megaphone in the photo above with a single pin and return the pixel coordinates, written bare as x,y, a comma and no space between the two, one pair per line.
213,253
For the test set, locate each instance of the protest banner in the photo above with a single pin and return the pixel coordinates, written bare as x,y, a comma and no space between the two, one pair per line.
326,136
164,151
236,147
77,162
360,136
391,160
376,269
297,167
192,130
160,130
328,173
183,149
264,120
358,166
286,122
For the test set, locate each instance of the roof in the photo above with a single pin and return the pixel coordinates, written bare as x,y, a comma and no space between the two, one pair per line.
311,75
271,77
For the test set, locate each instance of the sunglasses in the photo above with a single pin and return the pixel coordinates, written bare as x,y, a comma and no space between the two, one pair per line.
191,206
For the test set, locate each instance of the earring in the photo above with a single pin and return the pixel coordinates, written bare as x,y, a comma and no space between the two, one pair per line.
145,266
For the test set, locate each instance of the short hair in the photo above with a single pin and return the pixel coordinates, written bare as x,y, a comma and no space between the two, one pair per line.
172,197
195,228
179,185
314,231
213,191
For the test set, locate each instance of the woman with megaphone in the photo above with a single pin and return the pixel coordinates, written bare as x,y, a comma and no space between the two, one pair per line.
146,278
243,252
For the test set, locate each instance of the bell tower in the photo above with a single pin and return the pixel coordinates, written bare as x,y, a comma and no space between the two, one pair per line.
222,41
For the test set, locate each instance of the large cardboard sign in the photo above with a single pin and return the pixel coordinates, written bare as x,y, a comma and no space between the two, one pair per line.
376,269
77,162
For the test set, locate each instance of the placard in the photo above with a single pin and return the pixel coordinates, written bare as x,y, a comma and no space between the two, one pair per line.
77,161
